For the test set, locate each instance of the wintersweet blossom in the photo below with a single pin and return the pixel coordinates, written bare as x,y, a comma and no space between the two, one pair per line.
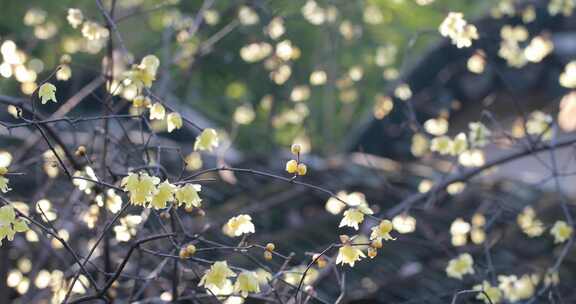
516,289
157,111
355,216
163,194
47,92
217,275
458,30
239,225
247,282
10,224
348,254
4,184
461,265
206,141
382,231
188,195
490,295
174,121
561,231
141,186
75,17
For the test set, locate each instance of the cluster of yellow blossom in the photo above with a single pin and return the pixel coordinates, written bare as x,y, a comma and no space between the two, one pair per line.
444,145
459,266
294,166
158,112
564,7
458,30
128,227
513,288
465,147
217,278
147,191
239,225
460,230
64,71
529,223
94,32
351,250
516,289
517,56
533,227
10,224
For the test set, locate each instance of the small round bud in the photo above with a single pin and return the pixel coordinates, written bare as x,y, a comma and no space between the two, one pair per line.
3,170
270,247
302,169
65,59
295,149
183,254
372,253
321,262
377,244
165,215
189,209
292,166
190,250
267,255
201,212
81,151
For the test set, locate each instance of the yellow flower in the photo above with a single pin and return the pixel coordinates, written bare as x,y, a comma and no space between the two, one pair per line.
460,266
539,124
157,111
4,184
247,282
292,166
188,195
348,254
352,218
382,231
144,73
140,186
458,30
174,121
9,224
494,294
206,141
460,144
515,289
75,17
93,31
163,194
47,92
441,144
217,275
561,232
302,169
239,225
529,224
